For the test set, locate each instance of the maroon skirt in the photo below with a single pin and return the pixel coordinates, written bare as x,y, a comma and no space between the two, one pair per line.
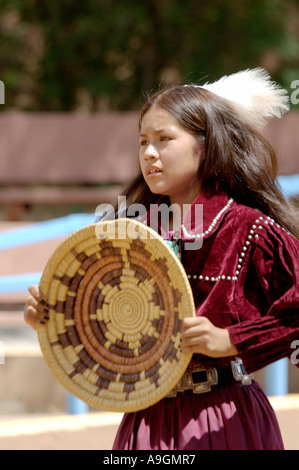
232,417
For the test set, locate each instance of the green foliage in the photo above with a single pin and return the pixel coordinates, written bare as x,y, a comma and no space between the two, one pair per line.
66,55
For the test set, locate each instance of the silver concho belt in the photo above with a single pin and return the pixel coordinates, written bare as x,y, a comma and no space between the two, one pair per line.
201,379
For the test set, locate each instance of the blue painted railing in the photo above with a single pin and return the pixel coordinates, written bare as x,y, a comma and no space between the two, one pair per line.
39,232
35,233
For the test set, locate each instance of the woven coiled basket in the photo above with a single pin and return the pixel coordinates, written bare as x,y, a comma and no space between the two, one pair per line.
117,295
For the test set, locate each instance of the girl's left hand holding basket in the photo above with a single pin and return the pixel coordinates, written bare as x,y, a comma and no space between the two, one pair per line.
200,336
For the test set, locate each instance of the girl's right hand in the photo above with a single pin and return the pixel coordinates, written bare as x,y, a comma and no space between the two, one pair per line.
36,310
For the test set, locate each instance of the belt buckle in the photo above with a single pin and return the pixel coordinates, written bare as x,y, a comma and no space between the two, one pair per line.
187,382
202,386
239,372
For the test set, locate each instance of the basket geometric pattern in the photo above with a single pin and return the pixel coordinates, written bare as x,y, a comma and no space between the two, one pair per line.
116,307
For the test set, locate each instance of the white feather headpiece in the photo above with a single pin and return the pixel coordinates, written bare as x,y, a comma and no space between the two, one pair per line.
252,94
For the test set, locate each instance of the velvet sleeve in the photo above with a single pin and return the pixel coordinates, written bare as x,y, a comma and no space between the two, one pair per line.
267,300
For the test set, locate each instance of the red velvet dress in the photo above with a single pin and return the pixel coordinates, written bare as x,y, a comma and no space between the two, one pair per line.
245,277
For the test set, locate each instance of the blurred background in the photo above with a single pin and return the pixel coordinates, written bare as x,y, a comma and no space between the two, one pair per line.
74,76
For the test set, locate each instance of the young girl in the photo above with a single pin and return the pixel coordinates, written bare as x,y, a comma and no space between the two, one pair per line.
201,146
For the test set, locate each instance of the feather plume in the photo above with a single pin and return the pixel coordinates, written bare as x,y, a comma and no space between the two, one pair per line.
252,94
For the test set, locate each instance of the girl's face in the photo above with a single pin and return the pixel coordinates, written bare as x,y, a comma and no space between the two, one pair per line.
169,157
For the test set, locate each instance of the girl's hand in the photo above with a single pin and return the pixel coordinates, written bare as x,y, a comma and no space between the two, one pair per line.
200,336
36,311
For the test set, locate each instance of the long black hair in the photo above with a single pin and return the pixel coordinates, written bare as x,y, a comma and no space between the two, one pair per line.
237,156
